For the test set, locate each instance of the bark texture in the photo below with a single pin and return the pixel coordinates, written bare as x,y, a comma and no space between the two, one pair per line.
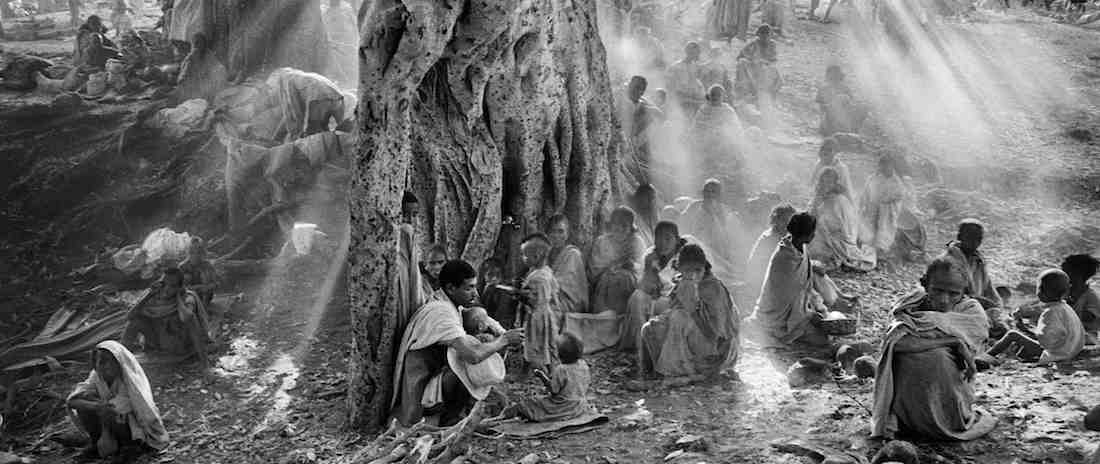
256,36
483,109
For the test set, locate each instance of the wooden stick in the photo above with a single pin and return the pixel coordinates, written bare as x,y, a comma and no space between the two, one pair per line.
420,450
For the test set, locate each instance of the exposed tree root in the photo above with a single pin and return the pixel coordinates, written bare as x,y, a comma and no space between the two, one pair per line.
422,443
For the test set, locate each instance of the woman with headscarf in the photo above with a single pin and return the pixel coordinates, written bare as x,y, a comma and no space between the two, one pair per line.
616,263
699,335
888,221
762,250
651,296
567,261
836,243
114,405
924,381
92,48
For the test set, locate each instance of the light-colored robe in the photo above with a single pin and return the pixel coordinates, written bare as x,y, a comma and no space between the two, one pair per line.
131,396
791,292
836,242
721,229
541,323
886,208
614,268
699,335
568,266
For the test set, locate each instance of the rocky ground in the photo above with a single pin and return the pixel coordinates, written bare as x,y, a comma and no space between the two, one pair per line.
276,394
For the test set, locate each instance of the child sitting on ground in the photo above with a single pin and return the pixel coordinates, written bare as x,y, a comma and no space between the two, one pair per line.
1058,336
567,385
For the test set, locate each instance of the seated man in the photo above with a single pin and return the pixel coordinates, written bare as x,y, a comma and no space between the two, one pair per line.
169,318
435,351
964,251
757,78
923,384
615,264
719,137
114,405
718,226
683,82
699,333
795,295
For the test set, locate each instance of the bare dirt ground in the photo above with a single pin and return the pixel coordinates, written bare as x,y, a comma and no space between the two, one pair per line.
276,394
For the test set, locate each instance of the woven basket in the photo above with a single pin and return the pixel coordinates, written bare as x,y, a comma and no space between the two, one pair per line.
846,326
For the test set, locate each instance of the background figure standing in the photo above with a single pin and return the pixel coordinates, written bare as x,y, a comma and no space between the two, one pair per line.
729,18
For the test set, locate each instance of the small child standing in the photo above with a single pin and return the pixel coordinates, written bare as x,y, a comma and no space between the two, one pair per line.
540,290
567,385
1058,336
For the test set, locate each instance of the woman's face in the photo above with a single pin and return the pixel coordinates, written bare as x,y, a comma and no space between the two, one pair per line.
435,264
692,272
666,242
945,290
107,366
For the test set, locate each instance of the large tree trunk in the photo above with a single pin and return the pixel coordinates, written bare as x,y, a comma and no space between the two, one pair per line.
252,37
482,109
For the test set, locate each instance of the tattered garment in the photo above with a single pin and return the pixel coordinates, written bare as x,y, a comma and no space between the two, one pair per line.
836,242
1060,333
974,265
568,396
923,393
699,335
541,325
304,98
720,229
886,208
130,395
568,266
788,297
613,269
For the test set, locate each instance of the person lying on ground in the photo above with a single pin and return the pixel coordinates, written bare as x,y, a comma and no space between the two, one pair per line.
795,295
964,251
433,262
199,275
888,221
169,318
540,304
566,386
306,100
840,113
615,263
757,267
114,405
827,159
435,351
1058,335
699,335
645,205
1082,296
924,380
651,296
757,76
836,244
718,226
567,261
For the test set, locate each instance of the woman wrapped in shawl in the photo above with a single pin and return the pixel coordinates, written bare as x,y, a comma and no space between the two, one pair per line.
651,298
839,110
923,384
763,249
644,204
616,263
718,226
567,261
699,335
114,405
719,135
169,318
836,242
757,76
886,208
794,295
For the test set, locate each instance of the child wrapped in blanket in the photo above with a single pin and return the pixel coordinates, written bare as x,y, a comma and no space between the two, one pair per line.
1058,335
540,291
567,387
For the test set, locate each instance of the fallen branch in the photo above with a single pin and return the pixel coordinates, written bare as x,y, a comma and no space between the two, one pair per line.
422,443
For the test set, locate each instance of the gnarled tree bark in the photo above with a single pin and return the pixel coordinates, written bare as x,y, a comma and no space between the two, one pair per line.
482,108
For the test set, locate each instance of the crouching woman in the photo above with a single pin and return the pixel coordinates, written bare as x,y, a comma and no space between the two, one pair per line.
114,406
